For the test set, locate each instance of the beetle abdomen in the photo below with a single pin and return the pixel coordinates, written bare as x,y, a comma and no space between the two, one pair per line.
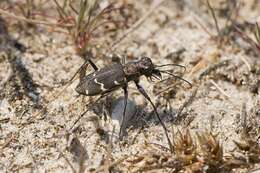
102,81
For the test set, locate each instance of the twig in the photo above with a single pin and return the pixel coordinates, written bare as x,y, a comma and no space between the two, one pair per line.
67,160
187,102
108,154
159,145
247,39
32,21
246,62
7,142
112,164
137,24
220,89
214,17
202,26
244,119
213,68
4,120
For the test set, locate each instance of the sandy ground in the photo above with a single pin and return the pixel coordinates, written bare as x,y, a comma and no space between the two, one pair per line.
224,99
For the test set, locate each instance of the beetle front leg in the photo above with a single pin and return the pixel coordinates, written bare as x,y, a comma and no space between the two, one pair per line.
124,112
82,72
87,56
93,65
83,68
143,92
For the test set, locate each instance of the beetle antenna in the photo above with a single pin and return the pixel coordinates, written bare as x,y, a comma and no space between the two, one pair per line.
166,72
178,65
156,77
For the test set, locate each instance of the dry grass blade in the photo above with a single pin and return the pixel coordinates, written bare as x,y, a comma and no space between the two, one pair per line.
67,161
113,164
251,149
60,8
257,34
213,68
201,154
254,44
214,17
33,21
79,153
210,147
220,89
185,148
81,20
186,103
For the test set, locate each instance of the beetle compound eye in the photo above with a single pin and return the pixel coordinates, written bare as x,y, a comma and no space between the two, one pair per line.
146,63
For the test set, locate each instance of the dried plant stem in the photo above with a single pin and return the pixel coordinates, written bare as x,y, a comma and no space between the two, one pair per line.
67,160
137,24
113,164
7,142
202,26
219,88
244,119
213,68
246,62
214,17
187,102
249,40
32,21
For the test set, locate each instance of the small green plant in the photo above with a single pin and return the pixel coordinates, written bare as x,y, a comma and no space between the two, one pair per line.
79,19
257,35
255,44
84,21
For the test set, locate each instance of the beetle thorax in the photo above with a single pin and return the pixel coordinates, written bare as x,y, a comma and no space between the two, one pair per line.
139,68
131,69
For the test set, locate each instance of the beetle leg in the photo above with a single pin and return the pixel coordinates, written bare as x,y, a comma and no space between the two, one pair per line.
123,60
82,114
93,65
82,70
124,112
143,92
87,56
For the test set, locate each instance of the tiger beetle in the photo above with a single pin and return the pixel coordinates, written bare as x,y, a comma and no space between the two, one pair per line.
113,77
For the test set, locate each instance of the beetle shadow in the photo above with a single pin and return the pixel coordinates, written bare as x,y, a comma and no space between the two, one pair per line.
136,117
111,110
24,77
20,79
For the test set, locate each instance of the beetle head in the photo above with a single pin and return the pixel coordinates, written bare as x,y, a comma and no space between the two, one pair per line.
146,67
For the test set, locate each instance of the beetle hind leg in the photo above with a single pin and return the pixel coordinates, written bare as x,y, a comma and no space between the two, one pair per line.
143,92
124,112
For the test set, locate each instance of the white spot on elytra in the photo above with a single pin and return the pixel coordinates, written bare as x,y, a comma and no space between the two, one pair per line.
116,83
101,85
